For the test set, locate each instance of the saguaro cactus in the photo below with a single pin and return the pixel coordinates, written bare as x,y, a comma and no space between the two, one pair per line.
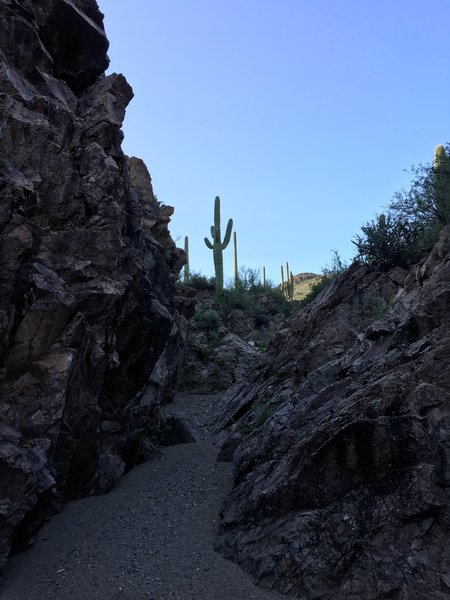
439,157
286,291
441,167
291,287
186,273
236,273
217,245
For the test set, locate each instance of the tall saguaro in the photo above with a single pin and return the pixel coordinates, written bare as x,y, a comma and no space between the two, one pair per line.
441,181
236,273
217,245
187,274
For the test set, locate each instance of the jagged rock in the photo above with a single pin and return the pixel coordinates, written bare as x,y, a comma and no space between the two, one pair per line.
341,443
210,368
224,340
90,336
178,430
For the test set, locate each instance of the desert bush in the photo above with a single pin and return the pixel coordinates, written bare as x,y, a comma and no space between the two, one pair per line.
391,241
374,307
258,301
414,218
201,282
207,319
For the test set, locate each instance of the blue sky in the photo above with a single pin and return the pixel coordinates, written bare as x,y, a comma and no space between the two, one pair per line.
300,114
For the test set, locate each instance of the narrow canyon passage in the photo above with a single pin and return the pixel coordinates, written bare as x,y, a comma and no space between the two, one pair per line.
150,538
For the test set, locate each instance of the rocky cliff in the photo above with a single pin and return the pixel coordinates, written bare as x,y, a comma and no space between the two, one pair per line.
341,442
90,335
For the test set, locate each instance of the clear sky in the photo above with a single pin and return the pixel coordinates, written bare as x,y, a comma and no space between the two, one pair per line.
300,114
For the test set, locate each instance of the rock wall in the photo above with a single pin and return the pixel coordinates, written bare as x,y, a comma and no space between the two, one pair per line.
341,443
90,335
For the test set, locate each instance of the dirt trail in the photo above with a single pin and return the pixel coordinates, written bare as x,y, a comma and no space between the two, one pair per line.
150,538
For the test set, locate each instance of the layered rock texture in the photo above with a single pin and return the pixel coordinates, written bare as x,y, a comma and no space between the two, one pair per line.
90,336
341,442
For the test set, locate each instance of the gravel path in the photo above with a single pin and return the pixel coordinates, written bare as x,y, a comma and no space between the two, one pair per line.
150,538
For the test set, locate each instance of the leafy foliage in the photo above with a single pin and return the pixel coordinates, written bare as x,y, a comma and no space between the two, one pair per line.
391,241
414,218
201,282
374,307
260,302
207,318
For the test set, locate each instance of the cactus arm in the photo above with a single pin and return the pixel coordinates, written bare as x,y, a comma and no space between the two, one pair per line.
227,237
208,243
213,233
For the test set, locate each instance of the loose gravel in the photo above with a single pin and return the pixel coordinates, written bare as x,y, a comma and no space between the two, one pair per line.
151,538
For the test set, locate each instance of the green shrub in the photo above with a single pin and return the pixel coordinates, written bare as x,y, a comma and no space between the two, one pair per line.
391,241
261,413
259,302
207,319
201,282
374,307
249,279
414,218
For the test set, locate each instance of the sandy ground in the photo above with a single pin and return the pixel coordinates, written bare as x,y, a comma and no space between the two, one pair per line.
150,538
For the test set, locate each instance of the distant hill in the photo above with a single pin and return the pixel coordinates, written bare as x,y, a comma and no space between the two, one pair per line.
303,283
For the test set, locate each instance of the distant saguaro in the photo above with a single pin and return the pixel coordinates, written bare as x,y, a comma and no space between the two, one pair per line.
236,275
217,245
187,274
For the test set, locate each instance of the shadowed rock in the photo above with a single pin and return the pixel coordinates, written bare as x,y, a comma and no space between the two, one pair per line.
90,335
341,443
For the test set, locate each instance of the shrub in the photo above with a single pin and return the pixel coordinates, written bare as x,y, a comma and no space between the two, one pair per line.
259,302
374,307
249,279
207,319
201,282
391,241
414,218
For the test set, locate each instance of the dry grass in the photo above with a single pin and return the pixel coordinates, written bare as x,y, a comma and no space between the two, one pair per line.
301,288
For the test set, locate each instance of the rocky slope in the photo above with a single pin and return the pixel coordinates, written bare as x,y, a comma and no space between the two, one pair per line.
90,335
225,336
341,442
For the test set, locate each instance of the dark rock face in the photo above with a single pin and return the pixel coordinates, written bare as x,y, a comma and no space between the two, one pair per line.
215,366
90,335
341,443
